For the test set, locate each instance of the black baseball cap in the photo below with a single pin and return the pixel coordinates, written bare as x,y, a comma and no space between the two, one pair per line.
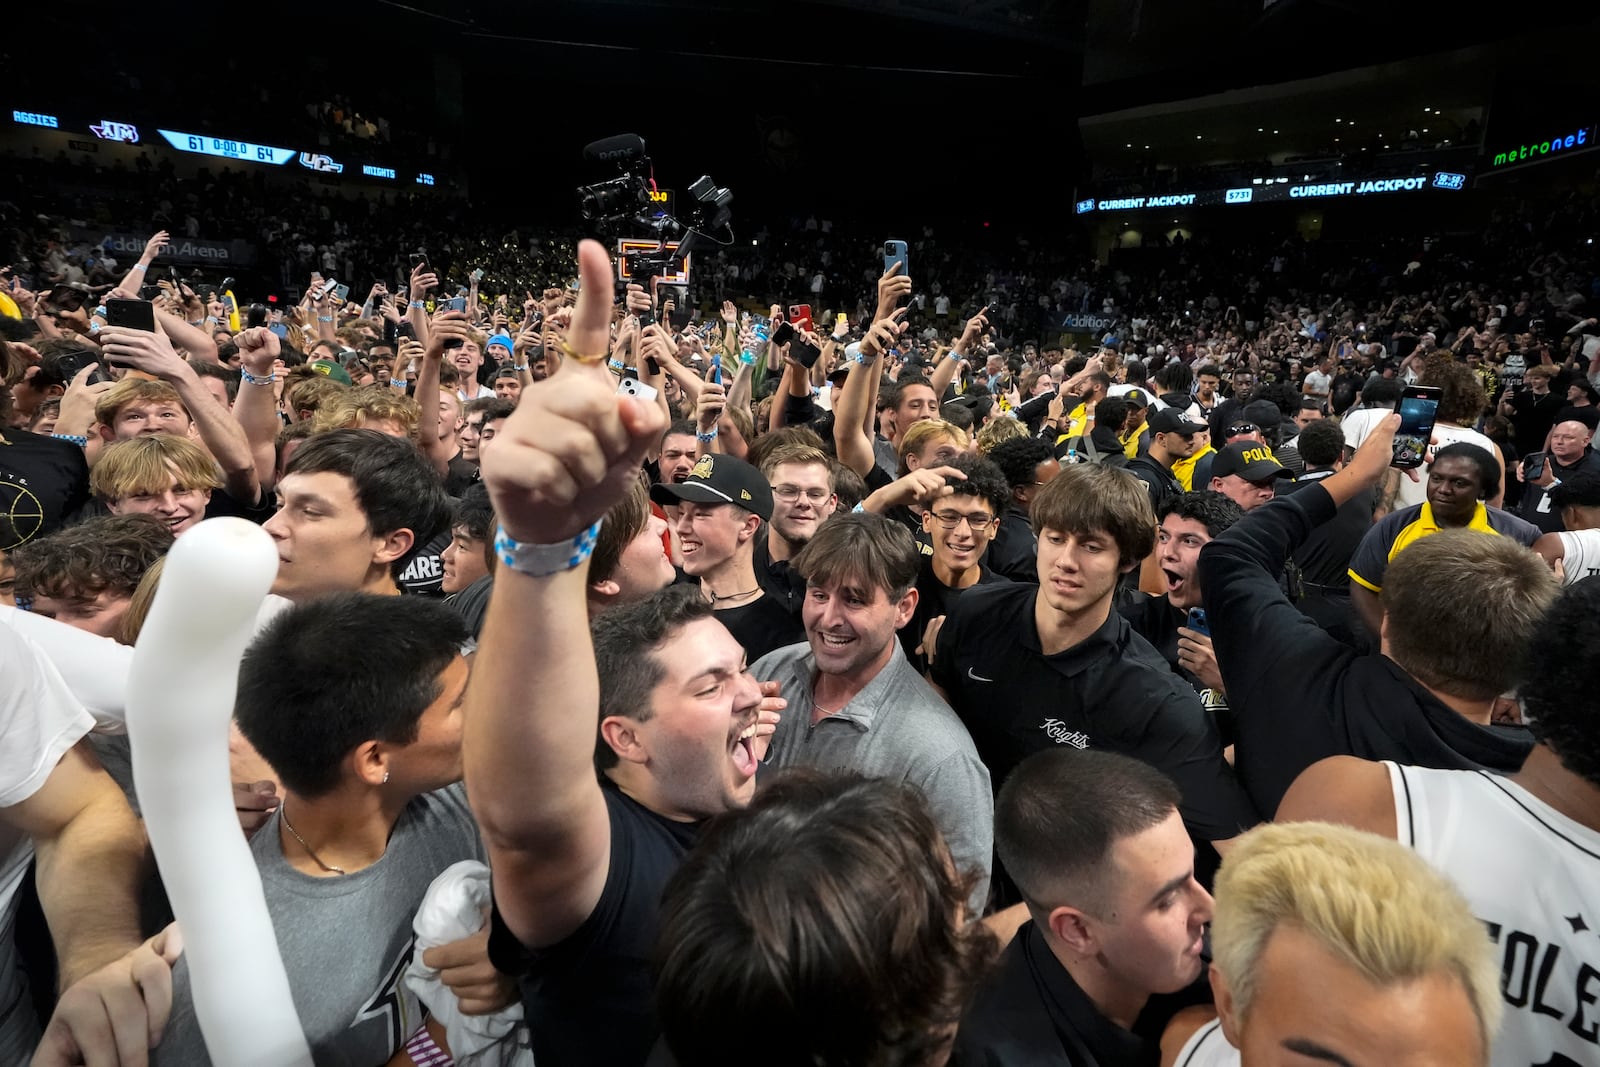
1250,460
1171,420
719,479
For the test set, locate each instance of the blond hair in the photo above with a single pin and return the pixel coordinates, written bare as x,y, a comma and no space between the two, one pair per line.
921,433
366,404
1371,902
310,393
998,430
130,390
148,464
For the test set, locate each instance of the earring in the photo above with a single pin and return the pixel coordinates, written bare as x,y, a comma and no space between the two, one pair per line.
385,777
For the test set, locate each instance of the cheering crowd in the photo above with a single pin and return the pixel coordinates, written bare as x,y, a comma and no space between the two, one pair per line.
835,673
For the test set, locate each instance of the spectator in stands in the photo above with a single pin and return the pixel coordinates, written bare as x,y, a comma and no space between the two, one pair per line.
1570,454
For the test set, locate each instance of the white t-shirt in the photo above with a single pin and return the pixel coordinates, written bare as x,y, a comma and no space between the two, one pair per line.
1358,423
39,721
1317,383
1415,492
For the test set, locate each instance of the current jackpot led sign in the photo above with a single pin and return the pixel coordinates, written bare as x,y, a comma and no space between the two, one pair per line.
226,149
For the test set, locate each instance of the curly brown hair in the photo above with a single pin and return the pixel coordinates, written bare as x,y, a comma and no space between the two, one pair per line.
110,553
1464,398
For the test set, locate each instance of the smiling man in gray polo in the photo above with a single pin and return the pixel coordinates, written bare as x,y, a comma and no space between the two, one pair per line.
855,701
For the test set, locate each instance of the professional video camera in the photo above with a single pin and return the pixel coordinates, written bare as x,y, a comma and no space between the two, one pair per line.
627,201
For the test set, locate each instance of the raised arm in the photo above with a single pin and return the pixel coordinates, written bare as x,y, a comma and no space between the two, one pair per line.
452,325
854,406
946,370
256,409
219,431
571,450
137,275
186,335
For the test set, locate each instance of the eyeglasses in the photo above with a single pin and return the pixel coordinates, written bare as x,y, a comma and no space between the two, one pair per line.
1239,429
790,493
949,520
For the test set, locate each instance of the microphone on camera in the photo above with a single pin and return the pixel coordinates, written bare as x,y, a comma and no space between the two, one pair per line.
622,148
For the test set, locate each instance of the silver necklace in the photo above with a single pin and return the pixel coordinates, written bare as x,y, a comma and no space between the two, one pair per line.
284,818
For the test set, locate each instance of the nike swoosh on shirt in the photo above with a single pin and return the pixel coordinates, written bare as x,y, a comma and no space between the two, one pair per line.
977,677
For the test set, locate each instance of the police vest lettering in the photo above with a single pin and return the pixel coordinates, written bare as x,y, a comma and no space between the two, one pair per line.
422,569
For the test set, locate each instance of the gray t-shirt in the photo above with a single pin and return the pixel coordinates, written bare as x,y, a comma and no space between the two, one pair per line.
898,728
346,941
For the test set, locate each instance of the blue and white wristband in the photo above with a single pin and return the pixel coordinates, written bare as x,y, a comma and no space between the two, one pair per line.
541,561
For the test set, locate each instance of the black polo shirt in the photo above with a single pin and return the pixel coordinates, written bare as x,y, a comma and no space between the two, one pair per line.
777,578
1014,550
589,998
1113,691
1030,1013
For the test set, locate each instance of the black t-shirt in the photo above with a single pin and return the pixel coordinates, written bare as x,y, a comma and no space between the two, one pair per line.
1014,551
1536,506
934,598
1030,1013
1532,416
588,999
776,577
1112,691
762,625
43,482
461,474
424,570
224,505
1324,557
1158,481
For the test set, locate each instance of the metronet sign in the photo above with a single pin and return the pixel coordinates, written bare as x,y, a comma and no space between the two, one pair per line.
1577,140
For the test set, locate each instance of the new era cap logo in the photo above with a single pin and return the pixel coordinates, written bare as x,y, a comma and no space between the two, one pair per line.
744,494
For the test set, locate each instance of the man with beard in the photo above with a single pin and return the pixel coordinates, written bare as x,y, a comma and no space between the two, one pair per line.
803,497
1172,438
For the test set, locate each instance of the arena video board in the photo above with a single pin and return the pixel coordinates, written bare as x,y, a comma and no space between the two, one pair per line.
1275,191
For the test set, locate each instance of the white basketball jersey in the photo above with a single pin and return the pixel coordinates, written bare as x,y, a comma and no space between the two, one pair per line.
1533,876
1580,555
